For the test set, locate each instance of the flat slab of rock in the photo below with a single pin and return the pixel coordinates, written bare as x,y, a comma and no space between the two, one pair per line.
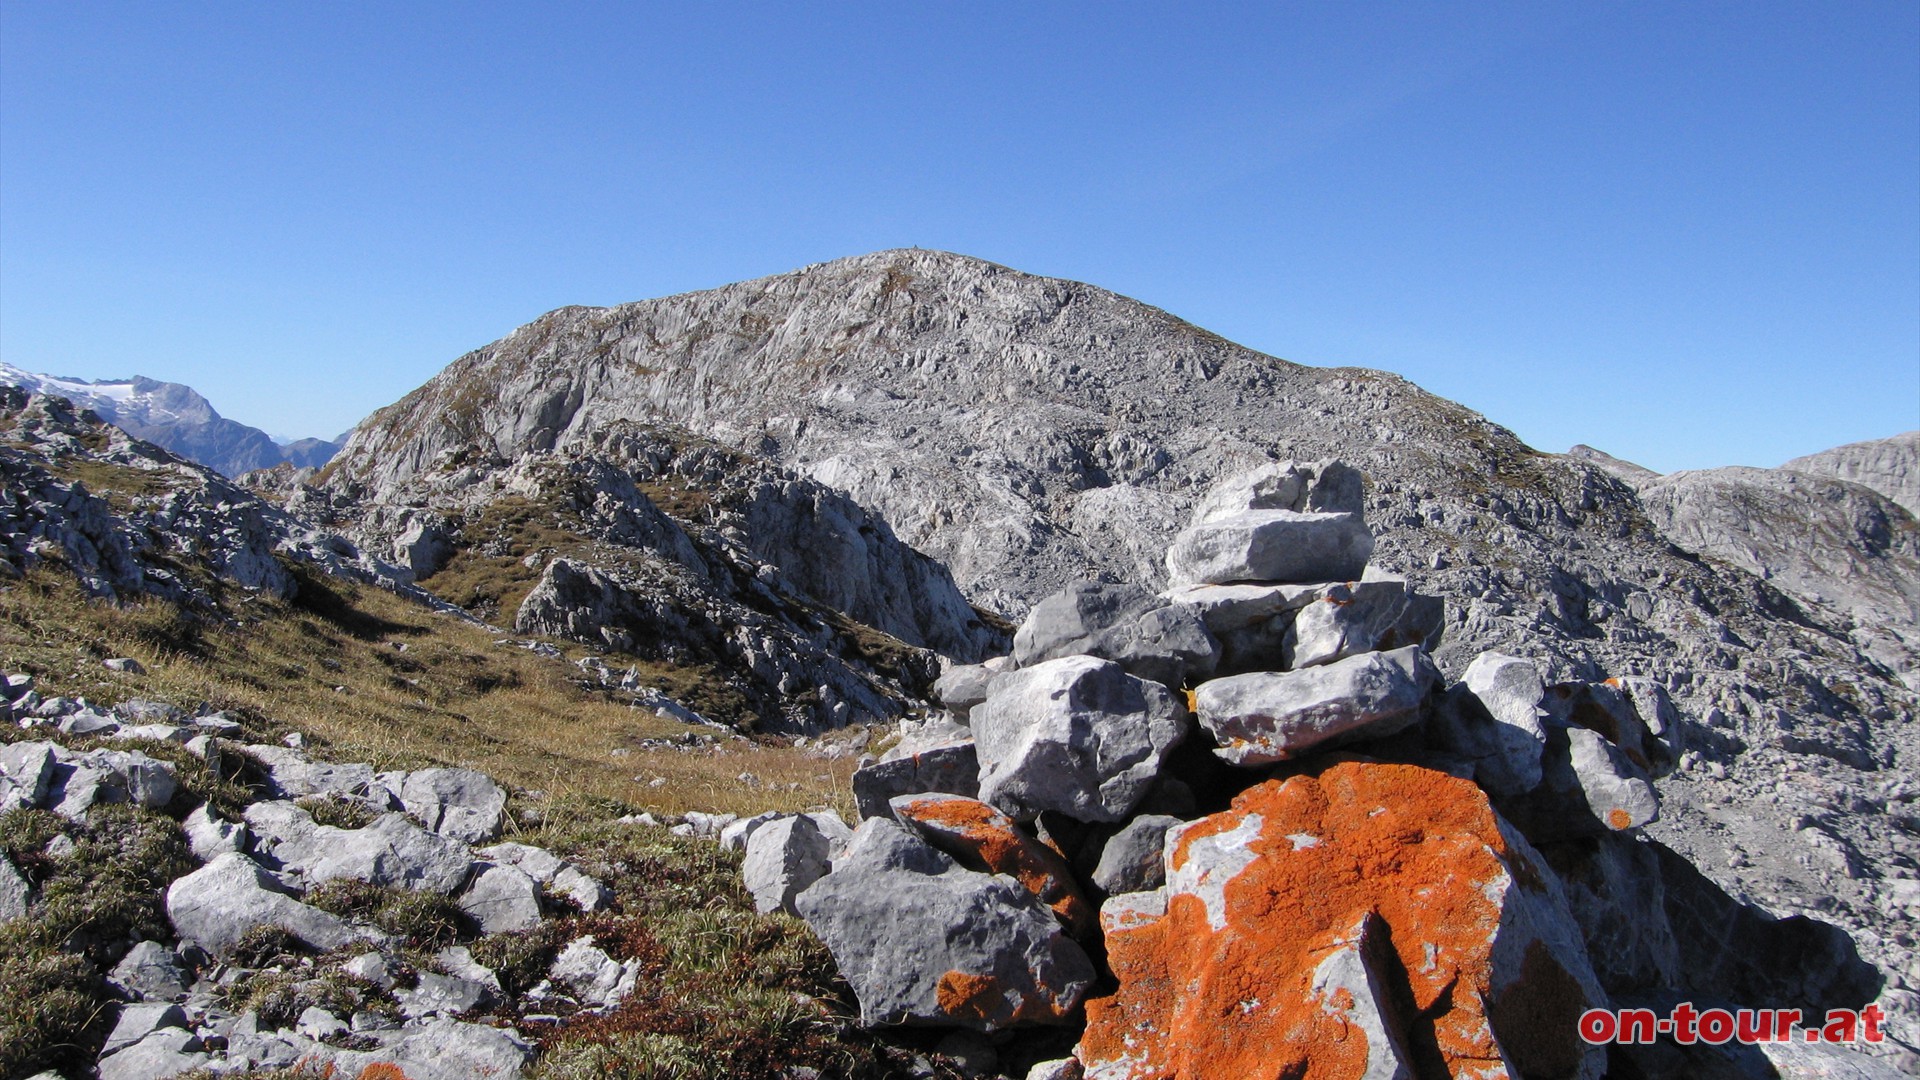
1263,717
1345,619
925,941
1127,624
217,904
393,851
1271,545
458,803
986,840
1495,717
1134,860
1588,787
1267,919
1326,486
1076,735
501,898
952,766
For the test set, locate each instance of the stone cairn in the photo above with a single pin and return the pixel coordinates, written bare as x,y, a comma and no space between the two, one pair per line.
1243,827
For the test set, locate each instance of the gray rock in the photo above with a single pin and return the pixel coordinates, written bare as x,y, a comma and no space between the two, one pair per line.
1588,787
1326,487
783,858
1264,717
108,776
166,1052
1605,708
149,972
1344,620
458,961
210,837
138,1021
458,803
1653,706
1494,718
445,1049
538,863
1271,545
833,827
217,904
370,967
392,851
501,898
317,1023
30,766
1614,890
88,722
15,891
963,686
596,979
1057,1069
923,941
125,665
587,893
734,837
446,995
1077,735
952,767
1128,624
1134,860
292,776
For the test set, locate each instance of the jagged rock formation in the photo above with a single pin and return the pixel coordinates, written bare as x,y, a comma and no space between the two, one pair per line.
176,417
1888,466
1031,433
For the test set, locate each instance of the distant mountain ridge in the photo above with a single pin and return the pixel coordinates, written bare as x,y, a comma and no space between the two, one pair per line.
177,418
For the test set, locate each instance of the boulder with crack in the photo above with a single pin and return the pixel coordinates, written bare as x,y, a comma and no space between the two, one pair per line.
1264,717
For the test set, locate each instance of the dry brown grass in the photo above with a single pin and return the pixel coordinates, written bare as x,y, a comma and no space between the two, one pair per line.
373,677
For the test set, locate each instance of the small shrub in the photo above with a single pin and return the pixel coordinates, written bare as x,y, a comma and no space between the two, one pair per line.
521,958
281,996
269,945
52,1007
107,893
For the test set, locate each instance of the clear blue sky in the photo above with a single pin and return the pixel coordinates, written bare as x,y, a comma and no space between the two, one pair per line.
1688,234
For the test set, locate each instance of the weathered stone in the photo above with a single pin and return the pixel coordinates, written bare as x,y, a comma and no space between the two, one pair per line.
1493,717
15,891
1262,900
587,894
458,803
217,904
953,767
393,851
783,858
924,941
1271,545
442,1049
149,972
1077,735
985,840
1134,860
963,686
1326,486
1127,624
1605,708
167,1052
1613,887
30,766
1353,987
137,1021
446,995
1653,707
501,898
1345,620
209,836
1588,787
1249,621
1264,717
734,836
1057,1069
538,863
317,1023
372,967
596,979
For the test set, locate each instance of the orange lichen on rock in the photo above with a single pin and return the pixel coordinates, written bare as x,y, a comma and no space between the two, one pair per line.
964,995
382,1070
1619,819
985,839
1263,894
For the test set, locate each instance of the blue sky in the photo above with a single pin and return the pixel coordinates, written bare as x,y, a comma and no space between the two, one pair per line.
1688,234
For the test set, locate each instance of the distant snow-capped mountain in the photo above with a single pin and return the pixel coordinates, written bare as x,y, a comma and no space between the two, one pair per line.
178,418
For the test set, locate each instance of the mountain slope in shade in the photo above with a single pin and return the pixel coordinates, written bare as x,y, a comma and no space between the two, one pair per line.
176,418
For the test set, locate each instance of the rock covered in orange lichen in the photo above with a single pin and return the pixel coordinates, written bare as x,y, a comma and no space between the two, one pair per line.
985,839
1335,924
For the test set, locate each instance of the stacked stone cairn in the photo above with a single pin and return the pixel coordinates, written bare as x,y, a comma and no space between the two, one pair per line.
1242,827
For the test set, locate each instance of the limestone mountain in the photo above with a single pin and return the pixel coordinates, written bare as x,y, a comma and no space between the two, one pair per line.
176,417
1888,466
1029,433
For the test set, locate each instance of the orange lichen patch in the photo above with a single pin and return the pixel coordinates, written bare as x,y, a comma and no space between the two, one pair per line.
1619,820
971,997
1421,849
382,1070
987,840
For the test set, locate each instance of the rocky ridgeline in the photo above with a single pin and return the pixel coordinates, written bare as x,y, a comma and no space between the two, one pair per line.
1245,827
429,832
